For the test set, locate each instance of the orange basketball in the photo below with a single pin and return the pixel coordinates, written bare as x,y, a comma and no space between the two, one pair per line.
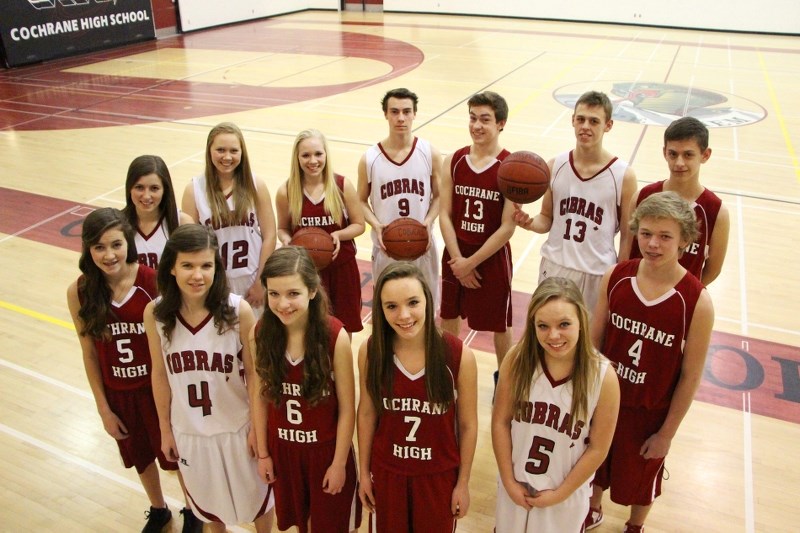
318,242
523,177
405,238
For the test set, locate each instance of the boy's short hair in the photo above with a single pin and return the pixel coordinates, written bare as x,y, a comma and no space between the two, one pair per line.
686,128
493,100
596,99
401,93
667,205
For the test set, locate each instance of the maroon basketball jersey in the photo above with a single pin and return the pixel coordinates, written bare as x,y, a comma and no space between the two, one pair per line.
477,209
645,339
125,358
314,214
294,421
415,436
706,208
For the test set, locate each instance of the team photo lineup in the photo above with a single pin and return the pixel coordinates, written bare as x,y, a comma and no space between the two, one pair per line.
217,334
351,271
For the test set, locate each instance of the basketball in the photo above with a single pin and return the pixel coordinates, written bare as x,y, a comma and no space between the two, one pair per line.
523,177
405,239
318,242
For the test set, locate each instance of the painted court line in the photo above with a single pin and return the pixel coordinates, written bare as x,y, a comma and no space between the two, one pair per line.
91,467
742,267
40,223
787,138
58,215
749,505
46,379
36,315
70,458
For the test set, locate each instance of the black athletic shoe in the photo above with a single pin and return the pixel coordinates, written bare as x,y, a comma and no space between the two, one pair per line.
156,519
191,524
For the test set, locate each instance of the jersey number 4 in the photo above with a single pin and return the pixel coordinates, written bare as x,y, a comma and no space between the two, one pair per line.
202,400
538,458
635,351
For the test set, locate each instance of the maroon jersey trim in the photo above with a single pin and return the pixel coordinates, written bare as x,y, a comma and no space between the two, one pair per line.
194,330
403,162
578,175
147,237
553,382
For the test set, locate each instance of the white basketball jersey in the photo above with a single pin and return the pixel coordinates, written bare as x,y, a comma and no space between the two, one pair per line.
239,245
150,247
209,395
400,189
546,443
585,216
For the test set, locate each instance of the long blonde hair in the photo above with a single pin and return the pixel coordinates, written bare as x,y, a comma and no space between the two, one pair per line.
244,189
334,203
528,354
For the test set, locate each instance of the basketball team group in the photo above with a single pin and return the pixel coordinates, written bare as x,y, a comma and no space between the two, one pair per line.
213,351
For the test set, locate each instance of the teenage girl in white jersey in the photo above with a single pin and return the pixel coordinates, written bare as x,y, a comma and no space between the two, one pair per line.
228,198
202,374
554,416
150,207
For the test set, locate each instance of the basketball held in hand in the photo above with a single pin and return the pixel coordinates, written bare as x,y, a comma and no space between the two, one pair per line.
318,242
523,177
405,239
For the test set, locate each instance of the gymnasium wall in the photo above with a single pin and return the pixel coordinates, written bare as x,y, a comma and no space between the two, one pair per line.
36,30
198,14
771,16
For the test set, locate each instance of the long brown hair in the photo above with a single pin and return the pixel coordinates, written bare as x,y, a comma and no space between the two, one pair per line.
93,289
272,339
168,208
192,238
244,189
528,354
333,202
380,348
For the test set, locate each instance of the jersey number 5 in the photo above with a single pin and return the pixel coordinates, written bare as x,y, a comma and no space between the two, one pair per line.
538,459
125,353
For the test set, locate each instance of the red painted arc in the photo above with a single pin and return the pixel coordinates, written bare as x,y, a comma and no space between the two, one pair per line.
47,97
